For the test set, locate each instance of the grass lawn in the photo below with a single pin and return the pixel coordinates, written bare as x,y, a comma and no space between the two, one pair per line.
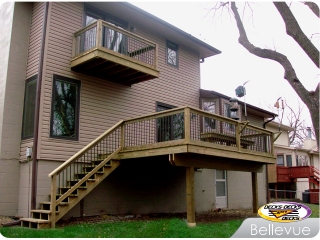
162,228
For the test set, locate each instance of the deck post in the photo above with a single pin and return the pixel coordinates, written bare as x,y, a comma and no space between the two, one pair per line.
53,200
191,216
187,125
122,136
238,130
254,180
99,33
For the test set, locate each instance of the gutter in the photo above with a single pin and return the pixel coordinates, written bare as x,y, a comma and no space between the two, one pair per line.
37,112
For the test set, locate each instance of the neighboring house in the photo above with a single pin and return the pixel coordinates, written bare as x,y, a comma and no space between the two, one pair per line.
89,88
296,170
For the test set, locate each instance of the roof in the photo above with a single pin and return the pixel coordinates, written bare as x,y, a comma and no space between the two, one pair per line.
282,126
135,15
250,108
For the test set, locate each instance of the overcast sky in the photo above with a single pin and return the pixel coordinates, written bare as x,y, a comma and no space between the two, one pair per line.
235,65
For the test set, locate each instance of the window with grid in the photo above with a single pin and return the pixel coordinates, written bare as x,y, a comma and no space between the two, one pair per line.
172,54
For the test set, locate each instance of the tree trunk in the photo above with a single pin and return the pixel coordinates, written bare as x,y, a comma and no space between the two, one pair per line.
311,99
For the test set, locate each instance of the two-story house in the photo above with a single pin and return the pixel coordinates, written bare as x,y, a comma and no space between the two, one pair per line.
296,169
100,114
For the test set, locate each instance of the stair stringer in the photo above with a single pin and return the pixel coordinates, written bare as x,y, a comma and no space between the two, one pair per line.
84,192
65,207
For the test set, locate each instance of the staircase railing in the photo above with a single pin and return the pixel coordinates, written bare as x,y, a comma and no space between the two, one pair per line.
315,172
72,170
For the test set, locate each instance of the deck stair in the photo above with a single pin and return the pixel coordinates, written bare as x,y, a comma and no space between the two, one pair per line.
74,179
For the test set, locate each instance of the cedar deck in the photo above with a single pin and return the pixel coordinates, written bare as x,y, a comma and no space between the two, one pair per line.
107,52
182,134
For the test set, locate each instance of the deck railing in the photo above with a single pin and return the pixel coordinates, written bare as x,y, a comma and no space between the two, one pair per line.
183,125
304,172
103,35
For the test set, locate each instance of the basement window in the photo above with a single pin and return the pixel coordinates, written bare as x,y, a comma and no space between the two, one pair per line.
65,108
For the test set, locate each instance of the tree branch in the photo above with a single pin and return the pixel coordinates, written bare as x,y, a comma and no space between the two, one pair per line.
314,8
293,29
311,99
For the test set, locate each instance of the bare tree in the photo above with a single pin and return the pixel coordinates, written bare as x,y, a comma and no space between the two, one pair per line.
310,98
293,117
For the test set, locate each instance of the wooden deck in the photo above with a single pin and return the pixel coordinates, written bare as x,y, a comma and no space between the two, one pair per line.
180,134
105,51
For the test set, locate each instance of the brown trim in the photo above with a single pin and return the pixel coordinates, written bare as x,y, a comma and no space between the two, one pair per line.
37,112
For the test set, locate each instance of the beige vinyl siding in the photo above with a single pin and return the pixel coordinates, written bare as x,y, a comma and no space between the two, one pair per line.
102,103
35,39
254,120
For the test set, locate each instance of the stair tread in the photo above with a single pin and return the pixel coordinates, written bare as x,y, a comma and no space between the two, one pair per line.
61,203
34,220
41,211
70,187
77,180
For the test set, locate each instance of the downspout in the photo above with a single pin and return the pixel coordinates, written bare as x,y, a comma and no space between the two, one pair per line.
37,112
265,123
267,180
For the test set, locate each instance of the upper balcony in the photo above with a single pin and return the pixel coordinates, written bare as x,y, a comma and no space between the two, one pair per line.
105,51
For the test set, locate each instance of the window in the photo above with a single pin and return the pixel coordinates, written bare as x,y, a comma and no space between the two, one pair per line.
29,107
65,108
302,160
280,160
112,39
209,123
221,183
171,127
172,53
289,160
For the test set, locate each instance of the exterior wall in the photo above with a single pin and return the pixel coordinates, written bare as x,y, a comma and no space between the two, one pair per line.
35,37
204,190
240,192
32,69
15,19
6,13
102,103
283,139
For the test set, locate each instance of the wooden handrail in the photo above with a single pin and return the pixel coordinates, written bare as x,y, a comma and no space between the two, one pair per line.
86,28
82,151
156,114
127,33
93,171
115,28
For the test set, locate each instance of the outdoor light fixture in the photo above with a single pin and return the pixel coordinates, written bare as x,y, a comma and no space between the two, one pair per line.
234,108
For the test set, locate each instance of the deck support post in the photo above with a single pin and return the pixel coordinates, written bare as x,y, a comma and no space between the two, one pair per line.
254,179
191,216
53,201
